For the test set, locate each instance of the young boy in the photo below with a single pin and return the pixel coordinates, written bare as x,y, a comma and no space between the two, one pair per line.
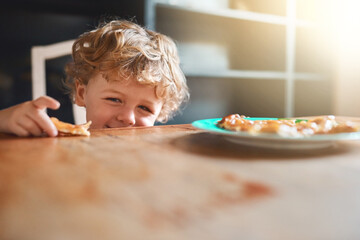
124,75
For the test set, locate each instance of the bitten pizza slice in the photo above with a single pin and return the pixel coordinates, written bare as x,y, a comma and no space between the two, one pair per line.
70,129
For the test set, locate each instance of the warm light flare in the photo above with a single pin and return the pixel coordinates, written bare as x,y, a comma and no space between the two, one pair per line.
347,25
346,20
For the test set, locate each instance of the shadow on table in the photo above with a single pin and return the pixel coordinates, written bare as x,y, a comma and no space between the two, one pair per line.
216,146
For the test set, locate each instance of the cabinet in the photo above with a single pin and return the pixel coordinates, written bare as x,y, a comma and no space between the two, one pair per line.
253,57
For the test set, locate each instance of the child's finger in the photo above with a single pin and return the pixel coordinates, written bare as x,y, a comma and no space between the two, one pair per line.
30,126
46,102
43,120
20,131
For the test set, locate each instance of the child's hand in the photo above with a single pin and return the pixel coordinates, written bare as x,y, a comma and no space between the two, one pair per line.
29,118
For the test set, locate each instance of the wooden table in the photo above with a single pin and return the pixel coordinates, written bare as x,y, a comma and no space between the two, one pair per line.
174,182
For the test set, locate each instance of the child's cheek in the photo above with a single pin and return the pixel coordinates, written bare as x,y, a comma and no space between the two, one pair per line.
146,122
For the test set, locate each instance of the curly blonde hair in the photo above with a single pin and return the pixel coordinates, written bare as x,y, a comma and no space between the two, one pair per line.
133,52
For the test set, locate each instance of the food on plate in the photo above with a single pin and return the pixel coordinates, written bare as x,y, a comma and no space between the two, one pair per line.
288,127
70,129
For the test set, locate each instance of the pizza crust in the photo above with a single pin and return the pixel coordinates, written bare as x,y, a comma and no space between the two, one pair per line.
67,129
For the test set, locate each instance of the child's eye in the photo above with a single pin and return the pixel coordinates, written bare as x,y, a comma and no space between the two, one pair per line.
145,108
117,100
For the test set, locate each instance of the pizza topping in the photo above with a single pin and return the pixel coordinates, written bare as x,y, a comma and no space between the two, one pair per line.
70,129
287,127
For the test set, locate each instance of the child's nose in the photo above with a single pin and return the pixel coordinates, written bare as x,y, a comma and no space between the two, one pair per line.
127,117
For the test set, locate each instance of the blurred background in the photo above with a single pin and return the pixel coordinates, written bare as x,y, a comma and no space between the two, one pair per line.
259,58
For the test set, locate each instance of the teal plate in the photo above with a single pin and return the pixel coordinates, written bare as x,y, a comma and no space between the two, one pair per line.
269,140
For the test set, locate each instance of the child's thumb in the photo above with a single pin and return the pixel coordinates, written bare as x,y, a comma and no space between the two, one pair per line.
46,102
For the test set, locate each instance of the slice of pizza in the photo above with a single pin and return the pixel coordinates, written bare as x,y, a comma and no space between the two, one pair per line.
288,127
66,129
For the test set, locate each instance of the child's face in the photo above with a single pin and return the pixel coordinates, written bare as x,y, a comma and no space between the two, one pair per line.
115,103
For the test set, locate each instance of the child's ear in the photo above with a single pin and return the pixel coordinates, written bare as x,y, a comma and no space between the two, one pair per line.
80,94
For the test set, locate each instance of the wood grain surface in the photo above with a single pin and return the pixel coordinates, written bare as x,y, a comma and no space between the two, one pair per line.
174,182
